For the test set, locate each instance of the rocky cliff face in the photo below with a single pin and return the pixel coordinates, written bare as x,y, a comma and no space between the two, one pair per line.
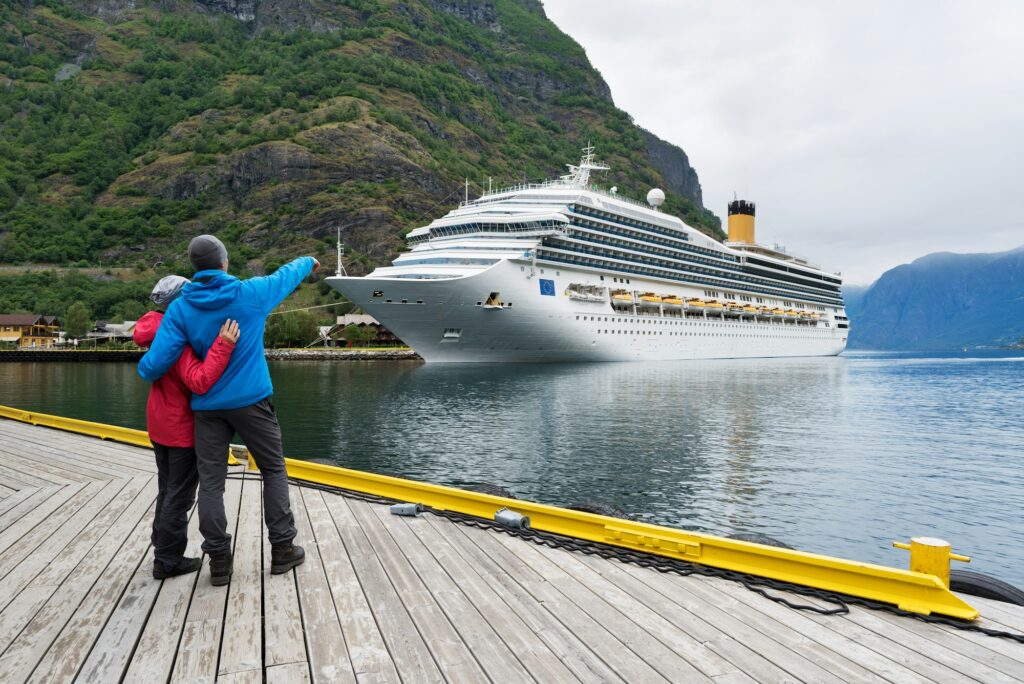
944,301
274,122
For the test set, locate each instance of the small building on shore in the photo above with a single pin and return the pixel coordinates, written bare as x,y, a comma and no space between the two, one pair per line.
363,331
29,331
113,332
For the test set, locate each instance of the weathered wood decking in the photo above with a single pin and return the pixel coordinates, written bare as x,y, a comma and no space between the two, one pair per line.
383,598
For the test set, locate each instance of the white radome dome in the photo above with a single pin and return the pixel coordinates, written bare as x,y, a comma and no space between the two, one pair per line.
655,197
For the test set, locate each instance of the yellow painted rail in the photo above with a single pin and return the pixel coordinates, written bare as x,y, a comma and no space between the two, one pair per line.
913,591
114,433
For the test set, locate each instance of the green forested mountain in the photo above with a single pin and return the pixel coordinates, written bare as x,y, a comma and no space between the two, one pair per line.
126,127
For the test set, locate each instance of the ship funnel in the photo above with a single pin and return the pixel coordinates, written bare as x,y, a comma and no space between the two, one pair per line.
741,221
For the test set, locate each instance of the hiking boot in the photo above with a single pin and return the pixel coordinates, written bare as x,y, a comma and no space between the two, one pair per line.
183,567
284,557
220,569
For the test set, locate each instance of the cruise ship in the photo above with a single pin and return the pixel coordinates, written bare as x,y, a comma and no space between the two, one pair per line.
566,271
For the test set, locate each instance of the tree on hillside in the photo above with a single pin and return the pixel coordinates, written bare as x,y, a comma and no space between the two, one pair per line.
127,310
293,329
78,320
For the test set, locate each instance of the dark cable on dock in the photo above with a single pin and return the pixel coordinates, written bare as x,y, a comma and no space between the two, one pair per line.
758,585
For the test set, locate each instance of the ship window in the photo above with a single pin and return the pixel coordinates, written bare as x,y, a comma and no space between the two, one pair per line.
378,293
452,333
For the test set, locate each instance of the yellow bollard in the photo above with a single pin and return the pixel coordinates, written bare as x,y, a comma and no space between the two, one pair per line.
931,556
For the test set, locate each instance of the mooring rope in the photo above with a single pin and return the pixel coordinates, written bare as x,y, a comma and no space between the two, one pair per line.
758,585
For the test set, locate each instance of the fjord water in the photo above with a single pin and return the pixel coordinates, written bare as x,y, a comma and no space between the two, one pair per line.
835,455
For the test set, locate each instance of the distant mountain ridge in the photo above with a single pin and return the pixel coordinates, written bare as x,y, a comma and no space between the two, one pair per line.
943,301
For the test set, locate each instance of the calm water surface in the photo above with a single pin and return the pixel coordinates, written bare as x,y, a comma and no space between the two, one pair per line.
839,455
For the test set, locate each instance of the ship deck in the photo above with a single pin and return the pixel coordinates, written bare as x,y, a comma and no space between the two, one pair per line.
384,598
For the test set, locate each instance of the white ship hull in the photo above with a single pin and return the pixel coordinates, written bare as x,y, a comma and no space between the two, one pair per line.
448,320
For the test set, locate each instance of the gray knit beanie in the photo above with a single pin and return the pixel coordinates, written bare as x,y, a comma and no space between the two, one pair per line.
206,252
167,290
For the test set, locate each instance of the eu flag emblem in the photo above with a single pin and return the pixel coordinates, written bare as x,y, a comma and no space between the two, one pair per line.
547,287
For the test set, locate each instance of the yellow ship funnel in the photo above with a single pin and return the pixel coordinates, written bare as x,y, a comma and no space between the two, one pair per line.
741,221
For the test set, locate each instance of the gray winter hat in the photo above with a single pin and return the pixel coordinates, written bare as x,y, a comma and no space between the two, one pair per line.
167,290
206,252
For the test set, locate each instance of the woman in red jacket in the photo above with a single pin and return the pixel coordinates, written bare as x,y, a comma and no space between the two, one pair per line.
170,425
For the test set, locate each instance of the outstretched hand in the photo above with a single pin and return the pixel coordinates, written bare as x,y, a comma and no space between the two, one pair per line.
229,331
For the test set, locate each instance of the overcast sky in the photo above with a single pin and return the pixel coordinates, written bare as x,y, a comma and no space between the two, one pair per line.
868,133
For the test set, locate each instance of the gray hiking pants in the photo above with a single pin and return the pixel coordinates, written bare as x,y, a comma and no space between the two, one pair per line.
258,427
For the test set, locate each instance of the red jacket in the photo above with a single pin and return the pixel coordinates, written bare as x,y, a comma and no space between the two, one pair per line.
168,410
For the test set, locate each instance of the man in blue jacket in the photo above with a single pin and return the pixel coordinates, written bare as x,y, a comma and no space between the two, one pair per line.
239,401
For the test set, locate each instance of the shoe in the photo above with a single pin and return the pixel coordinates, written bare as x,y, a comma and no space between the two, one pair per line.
284,557
183,567
220,569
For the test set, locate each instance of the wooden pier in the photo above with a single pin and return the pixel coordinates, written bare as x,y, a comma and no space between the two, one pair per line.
388,599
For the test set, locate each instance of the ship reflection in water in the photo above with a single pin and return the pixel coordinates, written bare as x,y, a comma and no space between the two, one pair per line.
837,455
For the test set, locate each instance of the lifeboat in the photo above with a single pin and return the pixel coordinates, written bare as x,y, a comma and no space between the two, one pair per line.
621,298
806,316
713,306
790,313
671,301
650,300
750,310
694,304
778,313
733,309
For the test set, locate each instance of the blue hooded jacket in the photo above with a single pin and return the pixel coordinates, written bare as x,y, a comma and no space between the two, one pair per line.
195,318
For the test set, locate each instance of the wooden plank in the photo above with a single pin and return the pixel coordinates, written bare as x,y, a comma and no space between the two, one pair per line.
244,677
295,673
975,652
6,491
669,664
584,663
24,524
282,618
36,638
16,578
70,649
1011,617
491,652
409,651
622,660
367,649
34,499
707,647
921,655
31,437
325,642
110,658
241,647
828,633
448,574
16,479
18,584
157,646
50,471
453,655
91,467
196,657
15,499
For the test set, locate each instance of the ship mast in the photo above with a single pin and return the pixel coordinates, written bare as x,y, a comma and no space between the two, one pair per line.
340,272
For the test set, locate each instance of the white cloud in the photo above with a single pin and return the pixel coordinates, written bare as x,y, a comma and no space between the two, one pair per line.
868,133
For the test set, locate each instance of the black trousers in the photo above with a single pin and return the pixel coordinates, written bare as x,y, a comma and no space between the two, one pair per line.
177,478
257,425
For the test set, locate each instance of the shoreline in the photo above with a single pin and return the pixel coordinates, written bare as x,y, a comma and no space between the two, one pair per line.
133,355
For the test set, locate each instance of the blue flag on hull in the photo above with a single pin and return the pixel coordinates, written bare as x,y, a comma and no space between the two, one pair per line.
547,287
